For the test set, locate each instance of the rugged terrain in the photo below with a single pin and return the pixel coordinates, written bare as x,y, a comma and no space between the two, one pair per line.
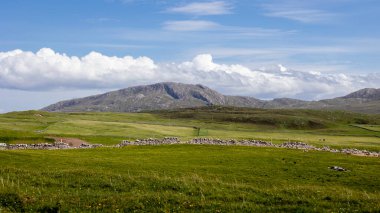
177,95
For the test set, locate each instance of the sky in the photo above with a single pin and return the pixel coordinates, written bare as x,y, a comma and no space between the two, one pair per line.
52,50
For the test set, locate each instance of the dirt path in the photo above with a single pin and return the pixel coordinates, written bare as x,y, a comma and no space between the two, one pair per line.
75,142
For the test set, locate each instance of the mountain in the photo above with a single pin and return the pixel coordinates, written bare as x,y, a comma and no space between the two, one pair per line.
367,93
169,95
166,95
365,100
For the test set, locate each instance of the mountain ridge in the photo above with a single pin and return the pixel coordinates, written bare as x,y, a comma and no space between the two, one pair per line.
366,93
171,95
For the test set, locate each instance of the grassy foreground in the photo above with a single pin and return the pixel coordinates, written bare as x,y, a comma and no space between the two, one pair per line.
183,178
186,178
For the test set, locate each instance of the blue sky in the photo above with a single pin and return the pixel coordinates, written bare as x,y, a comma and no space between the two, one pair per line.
321,40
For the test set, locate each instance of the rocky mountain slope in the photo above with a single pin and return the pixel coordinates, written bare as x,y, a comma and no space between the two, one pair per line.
370,94
152,97
171,95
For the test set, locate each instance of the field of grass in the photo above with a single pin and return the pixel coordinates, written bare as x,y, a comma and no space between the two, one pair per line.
187,178
184,178
334,128
375,128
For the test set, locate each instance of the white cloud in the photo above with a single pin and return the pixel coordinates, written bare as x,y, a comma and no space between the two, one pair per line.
282,68
48,70
189,25
296,13
203,8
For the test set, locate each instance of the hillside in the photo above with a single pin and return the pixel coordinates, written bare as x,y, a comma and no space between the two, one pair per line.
171,95
153,97
367,93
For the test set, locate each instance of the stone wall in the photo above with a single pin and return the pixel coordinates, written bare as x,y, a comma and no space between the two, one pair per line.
196,141
49,146
258,143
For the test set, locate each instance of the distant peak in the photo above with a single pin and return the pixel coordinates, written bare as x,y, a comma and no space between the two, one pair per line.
201,86
366,93
171,84
164,83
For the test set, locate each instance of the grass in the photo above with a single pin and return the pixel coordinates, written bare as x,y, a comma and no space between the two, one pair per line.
188,178
375,128
334,128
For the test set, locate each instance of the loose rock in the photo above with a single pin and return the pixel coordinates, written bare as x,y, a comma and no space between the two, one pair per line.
338,168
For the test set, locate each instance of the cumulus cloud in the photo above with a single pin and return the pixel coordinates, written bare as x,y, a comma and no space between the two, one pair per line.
47,70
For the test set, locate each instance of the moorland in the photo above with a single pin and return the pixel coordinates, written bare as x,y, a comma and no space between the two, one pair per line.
186,177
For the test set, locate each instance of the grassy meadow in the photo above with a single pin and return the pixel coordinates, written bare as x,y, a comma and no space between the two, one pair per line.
187,178
182,178
333,128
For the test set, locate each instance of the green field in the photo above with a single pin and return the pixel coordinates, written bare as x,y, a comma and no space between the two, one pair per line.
375,128
333,128
187,178
183,178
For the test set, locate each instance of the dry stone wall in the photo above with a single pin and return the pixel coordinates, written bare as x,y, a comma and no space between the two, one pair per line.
257,143
196,141
49,146
150,141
